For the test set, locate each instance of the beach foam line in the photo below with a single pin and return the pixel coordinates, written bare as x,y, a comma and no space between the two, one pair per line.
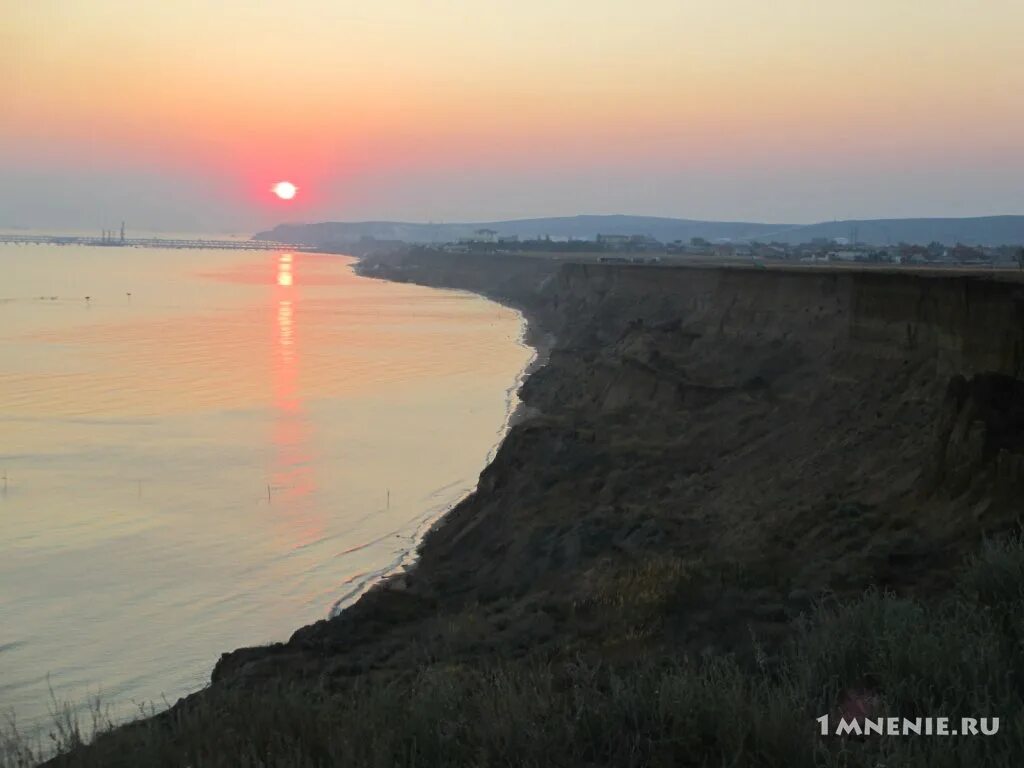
433,515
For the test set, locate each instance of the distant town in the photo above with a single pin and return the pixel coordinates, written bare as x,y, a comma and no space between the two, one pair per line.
644,249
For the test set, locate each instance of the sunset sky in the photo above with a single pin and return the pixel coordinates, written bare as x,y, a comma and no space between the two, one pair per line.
181,115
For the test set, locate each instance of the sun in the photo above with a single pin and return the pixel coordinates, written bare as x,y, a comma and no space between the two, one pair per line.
285,190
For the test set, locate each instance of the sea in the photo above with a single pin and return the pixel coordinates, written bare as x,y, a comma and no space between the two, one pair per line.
206,449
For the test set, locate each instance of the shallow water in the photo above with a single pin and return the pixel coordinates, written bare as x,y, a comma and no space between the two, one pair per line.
214,449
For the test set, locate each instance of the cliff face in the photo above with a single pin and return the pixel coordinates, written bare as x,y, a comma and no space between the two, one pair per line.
966,324
705,452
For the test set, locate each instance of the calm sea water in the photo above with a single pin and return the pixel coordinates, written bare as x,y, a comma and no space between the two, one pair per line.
216,448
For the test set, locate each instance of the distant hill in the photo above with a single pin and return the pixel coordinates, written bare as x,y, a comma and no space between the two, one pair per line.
982,230
581,227
985,230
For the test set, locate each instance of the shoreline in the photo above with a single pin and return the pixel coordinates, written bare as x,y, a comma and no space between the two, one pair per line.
406,560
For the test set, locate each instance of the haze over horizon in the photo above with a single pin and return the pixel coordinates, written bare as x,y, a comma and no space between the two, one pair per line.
181,116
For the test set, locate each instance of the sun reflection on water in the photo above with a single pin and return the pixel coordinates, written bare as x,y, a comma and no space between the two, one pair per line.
284,269
292,482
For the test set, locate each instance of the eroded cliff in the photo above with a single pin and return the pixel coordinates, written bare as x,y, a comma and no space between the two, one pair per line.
705,453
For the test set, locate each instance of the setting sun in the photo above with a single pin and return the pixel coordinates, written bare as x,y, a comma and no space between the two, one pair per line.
285,190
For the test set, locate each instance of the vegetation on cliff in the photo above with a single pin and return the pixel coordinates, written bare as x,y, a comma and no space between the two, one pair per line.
959,656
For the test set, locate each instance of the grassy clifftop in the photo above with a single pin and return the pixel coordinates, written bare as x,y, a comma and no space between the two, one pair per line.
877,656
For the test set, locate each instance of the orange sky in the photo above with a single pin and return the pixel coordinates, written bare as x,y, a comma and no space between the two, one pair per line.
372,110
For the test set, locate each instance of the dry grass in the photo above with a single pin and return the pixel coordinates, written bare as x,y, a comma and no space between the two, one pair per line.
956,657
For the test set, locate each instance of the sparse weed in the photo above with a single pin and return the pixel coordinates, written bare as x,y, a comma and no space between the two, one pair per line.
953,657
